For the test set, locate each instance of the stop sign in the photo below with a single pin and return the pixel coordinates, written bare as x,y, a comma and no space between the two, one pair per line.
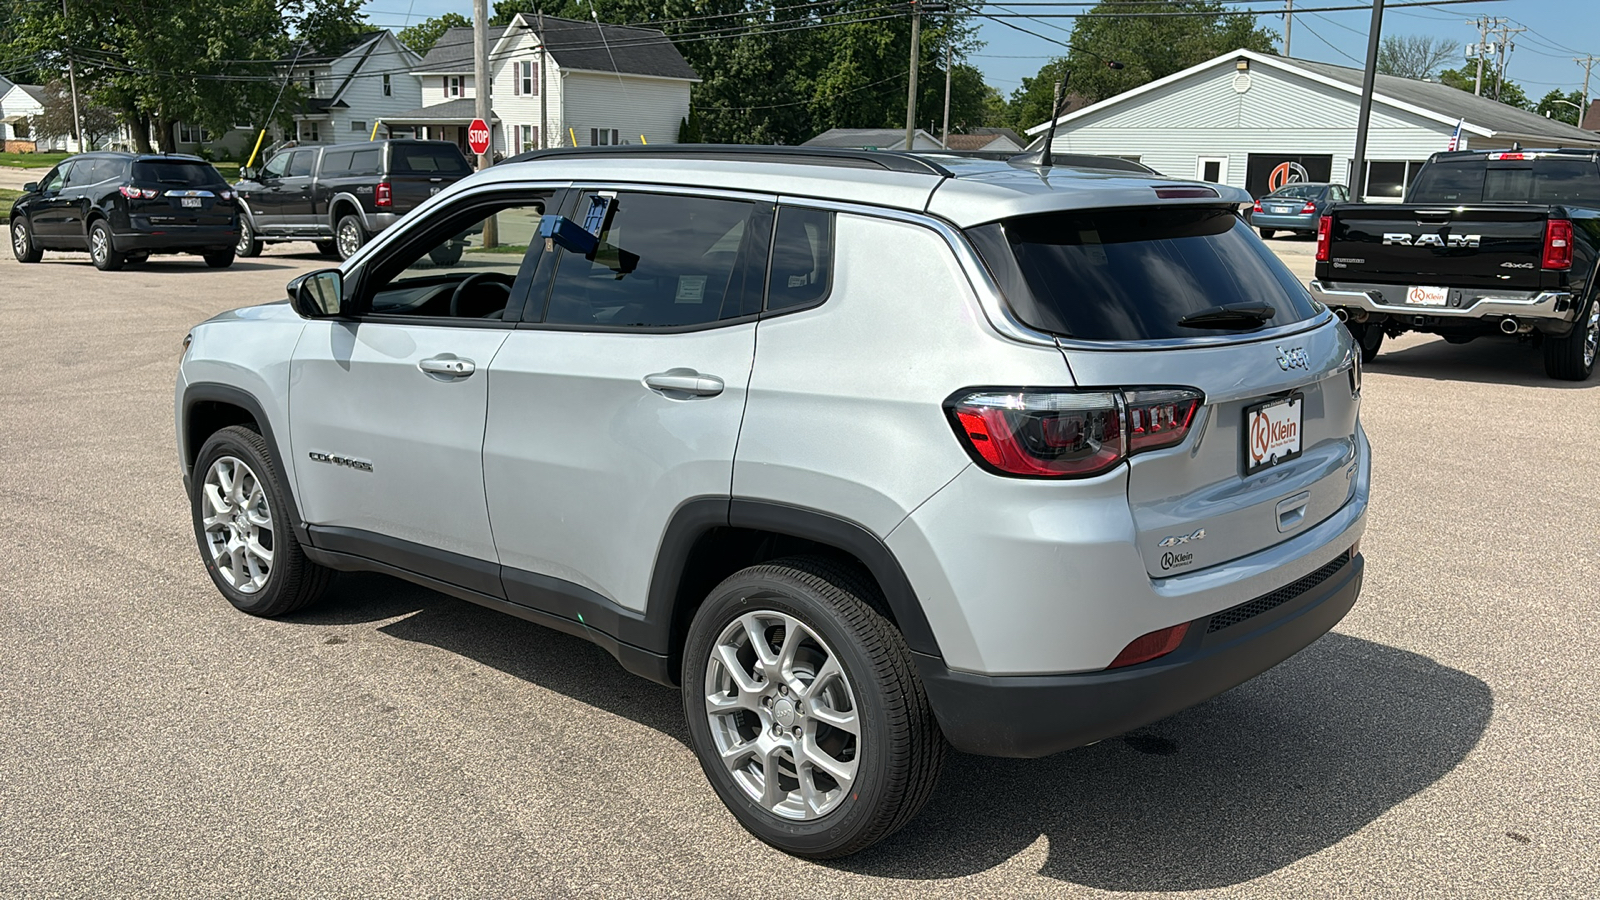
478,137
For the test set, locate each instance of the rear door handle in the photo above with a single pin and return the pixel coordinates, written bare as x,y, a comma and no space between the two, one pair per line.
448,366
684,381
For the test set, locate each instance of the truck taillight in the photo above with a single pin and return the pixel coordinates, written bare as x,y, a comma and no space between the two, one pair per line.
1066,433
384,198
1324,237
1558,244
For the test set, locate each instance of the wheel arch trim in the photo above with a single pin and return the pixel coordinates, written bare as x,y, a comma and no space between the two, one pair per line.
212,392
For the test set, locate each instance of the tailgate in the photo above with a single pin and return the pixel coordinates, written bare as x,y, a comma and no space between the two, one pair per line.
1495,247
1199,504
419,170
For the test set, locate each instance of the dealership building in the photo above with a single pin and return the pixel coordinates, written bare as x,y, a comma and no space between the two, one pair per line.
1253,121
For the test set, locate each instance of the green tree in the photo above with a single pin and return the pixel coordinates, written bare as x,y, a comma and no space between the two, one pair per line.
422,36
96,121
1507,92
1561,107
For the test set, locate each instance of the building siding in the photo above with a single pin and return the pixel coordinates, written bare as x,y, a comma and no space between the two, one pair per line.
635,106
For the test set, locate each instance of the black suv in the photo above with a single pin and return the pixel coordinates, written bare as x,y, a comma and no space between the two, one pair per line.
342,194
122,207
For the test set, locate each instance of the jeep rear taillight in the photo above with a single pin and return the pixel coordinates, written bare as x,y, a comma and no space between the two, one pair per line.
1324,237
1066,433
384,198
1557,244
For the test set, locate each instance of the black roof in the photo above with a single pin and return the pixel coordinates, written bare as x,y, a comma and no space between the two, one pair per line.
312,54
575,45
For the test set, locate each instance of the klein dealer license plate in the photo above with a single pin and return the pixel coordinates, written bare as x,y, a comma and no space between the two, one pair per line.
1272,432
1427,296
189,202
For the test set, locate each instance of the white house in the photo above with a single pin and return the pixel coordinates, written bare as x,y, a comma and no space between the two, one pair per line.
348,89
18,104
1252,120
554,83
874,139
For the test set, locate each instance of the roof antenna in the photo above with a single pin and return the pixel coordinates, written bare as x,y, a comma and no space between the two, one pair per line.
1044,157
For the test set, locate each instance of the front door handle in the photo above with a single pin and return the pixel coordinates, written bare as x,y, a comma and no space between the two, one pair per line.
684,381
448,366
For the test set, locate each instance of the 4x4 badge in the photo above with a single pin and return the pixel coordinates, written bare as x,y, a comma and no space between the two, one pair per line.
1293,358
1177,539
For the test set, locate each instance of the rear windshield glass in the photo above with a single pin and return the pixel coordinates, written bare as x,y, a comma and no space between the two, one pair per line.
1131,274
1299,192
172,171
417,159
1543,180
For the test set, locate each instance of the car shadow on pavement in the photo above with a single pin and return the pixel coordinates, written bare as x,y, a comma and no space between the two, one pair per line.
1488,360
1269,773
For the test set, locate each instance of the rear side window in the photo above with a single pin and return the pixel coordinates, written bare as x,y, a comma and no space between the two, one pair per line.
664,261
427,159
368,161
1540,180
336,162
802,258
1132,274
186,173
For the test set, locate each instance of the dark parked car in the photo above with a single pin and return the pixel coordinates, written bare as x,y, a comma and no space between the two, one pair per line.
1296,207
122,207
340,195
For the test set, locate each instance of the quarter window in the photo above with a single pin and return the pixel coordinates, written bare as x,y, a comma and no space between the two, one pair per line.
663,261
802,258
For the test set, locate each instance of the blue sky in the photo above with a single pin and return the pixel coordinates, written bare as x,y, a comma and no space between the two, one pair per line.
1542,60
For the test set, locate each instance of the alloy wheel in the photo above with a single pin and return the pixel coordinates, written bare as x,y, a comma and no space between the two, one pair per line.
98,245
19,239
1591,335
783,715
242,248
349,238
238,525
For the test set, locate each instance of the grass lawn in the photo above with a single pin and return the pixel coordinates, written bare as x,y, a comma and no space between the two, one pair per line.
229,170
6,196
503,248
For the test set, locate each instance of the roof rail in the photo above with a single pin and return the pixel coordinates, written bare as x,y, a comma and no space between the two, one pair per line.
887,160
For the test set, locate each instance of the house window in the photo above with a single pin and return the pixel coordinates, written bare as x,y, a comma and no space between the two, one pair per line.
529,137
601,137
308,132
189,134
360,127
525,82
388,88
19,129
455,86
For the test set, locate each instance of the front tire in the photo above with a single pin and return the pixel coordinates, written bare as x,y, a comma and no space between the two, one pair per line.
1266,233
348,236
1571,358
102,249
248,244
805,709
242,523
22,245
1369,337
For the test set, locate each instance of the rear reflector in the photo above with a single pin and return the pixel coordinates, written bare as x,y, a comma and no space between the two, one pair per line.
1558,244
1324,237
1150,646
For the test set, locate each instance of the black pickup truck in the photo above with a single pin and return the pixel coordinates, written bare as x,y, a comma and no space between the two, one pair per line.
1486,243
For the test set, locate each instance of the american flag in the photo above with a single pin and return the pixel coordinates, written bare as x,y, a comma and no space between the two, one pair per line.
1455,139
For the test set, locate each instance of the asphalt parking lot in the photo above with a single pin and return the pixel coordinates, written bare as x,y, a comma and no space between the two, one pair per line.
1444,741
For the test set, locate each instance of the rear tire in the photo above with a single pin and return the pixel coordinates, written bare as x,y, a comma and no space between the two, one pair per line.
248,245
22,245
1369,337
243,525
1571,358
102,250
348,236
1266,233
831,708
327,250
220,259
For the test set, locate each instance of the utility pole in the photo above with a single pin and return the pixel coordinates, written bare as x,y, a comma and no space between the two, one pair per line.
72,82
1288,27
544,110
1485,25
480,95
1588,63
1358,178
911,90
1506,45
946,139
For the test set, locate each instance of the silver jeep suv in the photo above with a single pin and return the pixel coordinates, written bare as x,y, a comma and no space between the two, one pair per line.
871,454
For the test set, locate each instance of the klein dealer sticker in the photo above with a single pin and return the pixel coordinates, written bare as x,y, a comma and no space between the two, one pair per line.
1272,432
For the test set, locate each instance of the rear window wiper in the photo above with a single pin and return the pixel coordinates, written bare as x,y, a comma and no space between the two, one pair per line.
1229,317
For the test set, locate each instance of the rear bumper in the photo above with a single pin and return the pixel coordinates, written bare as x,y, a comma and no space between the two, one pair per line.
1286,221
1470,303
177,237
1037,715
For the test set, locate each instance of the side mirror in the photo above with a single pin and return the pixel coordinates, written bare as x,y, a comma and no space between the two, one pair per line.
249,173
319,294
30,187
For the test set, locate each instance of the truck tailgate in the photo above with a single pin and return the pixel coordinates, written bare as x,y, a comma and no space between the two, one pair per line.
1490,247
